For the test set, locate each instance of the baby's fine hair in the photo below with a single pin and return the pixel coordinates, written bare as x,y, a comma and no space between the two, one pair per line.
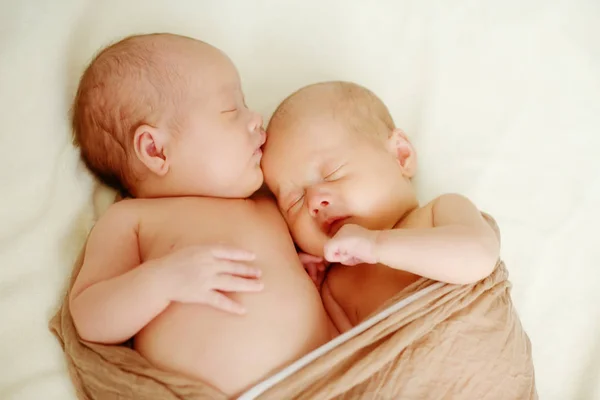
126,85
356,105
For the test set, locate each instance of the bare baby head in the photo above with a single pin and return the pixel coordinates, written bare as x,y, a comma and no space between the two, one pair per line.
334,156
162,115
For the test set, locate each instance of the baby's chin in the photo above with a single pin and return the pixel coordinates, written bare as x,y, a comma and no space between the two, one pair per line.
254,185
314,243
260,180
242,189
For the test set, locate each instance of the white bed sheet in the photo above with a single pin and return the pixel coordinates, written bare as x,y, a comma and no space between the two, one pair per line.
502,100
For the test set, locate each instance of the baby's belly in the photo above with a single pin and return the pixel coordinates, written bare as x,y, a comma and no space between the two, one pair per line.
375,283
230,352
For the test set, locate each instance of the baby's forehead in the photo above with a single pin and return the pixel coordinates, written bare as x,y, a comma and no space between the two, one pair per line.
302,148
336,104
302,135
319,115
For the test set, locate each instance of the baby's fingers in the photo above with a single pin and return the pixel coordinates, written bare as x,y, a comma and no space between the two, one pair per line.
221,302
351,261
234,268
333,252
311,268
309,258
232,283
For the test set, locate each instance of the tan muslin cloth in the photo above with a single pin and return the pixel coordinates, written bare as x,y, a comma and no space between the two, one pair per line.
456,342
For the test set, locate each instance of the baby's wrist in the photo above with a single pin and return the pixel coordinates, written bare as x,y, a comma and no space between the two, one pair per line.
376,240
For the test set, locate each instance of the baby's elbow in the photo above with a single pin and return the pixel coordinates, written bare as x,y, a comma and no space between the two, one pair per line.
488,253
485,268
478,258
83,323
85,334
80,321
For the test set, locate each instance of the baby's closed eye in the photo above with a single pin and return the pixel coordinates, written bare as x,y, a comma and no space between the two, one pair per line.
334,174
297,201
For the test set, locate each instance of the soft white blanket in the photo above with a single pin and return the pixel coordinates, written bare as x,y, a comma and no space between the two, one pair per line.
502,100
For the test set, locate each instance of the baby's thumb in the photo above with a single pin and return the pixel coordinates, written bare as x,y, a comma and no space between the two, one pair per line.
331,252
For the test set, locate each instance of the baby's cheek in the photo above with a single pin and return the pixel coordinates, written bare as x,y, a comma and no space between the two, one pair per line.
307,235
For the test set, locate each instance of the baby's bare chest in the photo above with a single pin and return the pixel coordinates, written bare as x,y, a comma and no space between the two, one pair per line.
173,225
360,290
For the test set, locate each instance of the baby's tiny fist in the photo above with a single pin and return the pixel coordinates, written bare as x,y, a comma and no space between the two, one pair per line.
352,245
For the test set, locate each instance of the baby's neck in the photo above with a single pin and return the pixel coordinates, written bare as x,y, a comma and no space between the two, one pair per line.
405,211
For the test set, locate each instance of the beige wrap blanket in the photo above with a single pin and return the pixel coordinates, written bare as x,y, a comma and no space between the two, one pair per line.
450,342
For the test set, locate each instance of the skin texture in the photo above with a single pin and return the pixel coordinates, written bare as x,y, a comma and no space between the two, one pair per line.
204,277
342,179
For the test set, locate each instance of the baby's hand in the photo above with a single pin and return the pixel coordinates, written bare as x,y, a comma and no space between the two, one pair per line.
314,266
352,245
200,273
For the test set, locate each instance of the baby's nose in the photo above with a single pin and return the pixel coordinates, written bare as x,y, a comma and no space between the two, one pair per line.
318,202
322,204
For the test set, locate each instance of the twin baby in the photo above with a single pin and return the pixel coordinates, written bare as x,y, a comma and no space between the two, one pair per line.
199,267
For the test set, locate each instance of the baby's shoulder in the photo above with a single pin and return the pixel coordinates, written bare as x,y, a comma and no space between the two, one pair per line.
126,206
450,202
121,212
446,206
450,198
456,206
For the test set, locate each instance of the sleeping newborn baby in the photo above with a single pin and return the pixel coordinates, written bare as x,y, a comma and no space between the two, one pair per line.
163,117
341,172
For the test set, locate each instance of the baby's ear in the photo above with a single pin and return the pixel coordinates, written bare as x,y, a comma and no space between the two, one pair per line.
149,145
403,151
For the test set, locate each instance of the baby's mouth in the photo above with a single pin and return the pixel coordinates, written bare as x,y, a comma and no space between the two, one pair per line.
333,225
261,144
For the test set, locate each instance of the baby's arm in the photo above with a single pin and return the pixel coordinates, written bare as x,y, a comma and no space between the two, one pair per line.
115,295
460,247
111,300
